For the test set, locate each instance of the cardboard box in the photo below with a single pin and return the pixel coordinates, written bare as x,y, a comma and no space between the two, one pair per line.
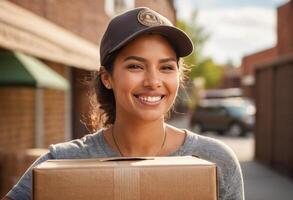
146,178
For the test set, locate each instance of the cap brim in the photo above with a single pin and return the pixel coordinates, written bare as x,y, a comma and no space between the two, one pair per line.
178,39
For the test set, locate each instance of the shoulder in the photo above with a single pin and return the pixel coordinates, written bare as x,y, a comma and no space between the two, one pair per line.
212,150
78,148
228,167
209,148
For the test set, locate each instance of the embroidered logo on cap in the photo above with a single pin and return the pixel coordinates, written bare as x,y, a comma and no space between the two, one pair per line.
150,18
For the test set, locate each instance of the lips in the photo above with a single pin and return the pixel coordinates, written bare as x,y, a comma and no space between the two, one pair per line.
149,99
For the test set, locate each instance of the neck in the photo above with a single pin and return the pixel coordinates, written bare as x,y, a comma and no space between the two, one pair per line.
139,139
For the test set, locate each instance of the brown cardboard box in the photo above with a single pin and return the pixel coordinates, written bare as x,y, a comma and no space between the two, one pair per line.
149,178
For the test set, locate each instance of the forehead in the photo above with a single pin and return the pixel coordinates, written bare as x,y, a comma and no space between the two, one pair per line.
147,44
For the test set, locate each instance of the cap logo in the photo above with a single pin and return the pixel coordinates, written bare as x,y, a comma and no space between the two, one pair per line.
149,18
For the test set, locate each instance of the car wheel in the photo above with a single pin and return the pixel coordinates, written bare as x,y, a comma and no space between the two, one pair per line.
235,129
197,128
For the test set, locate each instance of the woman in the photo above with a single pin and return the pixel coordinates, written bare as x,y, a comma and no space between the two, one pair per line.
136,88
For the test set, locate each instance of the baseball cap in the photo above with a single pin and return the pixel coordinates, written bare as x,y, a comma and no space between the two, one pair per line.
129,25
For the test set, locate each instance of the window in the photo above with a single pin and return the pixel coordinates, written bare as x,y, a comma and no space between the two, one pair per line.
113,7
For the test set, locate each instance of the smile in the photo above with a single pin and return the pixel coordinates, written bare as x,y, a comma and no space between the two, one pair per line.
150,100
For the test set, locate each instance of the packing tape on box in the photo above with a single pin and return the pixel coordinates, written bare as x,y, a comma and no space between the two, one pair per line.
126,181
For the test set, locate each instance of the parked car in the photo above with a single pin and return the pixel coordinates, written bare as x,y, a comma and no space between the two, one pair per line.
232,116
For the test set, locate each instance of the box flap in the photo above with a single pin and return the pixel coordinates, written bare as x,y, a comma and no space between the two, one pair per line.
124,161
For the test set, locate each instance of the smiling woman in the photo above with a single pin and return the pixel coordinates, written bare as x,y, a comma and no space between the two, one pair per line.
150,81
136,87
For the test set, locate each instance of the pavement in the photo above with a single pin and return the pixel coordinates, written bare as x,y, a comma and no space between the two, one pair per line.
260,181
263,183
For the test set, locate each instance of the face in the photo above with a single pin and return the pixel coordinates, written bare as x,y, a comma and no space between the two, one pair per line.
145,78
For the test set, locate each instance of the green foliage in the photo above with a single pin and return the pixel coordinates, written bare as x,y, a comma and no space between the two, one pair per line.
200,66
197,35
210,71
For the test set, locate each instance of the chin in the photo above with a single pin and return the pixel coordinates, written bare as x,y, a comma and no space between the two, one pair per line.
151,116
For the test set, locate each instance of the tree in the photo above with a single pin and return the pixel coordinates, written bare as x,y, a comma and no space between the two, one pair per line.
197,35
200,66
210,71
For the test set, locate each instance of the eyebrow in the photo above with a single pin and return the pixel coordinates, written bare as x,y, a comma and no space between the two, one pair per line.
144,60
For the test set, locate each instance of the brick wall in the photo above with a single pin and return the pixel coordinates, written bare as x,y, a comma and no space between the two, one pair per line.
285,28
17,127
85,18
17,115
54,108
249,62
16,118
248,67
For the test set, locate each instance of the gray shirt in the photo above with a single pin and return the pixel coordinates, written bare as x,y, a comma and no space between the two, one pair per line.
230,179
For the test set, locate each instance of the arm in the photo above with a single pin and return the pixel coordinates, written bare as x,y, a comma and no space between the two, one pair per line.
23,189
6,198
235,189
230,180
231,177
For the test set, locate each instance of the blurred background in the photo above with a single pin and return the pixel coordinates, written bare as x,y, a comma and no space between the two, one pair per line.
241,72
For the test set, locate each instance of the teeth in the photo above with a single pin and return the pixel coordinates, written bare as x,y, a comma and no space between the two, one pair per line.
150,99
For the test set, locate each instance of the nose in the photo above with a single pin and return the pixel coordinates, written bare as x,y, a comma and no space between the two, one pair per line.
152,79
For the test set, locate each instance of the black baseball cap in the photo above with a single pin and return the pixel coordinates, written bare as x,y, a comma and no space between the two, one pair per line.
129,25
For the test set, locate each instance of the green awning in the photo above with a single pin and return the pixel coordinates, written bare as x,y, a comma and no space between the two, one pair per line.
18,69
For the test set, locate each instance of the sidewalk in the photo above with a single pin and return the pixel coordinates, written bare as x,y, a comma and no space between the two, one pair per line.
262,183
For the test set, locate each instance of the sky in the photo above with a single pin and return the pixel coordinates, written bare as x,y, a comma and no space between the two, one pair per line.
236,27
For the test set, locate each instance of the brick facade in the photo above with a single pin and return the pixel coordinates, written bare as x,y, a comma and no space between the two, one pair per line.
248,67
285,29
84,18
54,108
16,118
249,61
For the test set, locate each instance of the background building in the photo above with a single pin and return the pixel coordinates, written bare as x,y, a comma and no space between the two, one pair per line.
268,77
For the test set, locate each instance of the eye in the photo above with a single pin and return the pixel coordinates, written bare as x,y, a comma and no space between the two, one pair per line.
134,67
168,68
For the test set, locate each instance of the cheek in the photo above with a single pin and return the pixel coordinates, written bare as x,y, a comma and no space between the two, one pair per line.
173,84
126,82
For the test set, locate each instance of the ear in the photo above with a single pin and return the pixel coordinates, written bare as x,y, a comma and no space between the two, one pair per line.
106,79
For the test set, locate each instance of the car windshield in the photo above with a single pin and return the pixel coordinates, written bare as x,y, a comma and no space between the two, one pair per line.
235,106
237,110
244,109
